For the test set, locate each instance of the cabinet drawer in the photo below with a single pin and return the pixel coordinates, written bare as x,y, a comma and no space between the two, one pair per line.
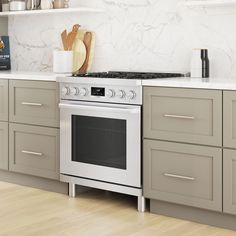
4,145
229,118
34,150
183,173
3,100
183,115
229,178
34,102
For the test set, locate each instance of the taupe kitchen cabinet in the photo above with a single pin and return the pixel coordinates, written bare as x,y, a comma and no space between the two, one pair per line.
34,102
3,145
229,181
183,115
34,150
229,118
183,173
3,100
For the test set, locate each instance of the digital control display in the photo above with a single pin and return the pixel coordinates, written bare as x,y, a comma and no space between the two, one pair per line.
95,91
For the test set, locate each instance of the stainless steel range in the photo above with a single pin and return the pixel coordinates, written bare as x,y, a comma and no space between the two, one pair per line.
100,135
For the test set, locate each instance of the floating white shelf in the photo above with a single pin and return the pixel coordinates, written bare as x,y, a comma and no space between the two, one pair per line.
51,11
210,3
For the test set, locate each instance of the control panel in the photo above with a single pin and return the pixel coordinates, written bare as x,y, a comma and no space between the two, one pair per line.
116,94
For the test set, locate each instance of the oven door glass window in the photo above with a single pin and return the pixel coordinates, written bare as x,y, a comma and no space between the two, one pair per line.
99,141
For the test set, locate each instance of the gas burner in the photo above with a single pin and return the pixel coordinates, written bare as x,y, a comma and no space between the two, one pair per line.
129,75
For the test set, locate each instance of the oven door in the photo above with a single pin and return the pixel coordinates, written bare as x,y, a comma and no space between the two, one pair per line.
101,142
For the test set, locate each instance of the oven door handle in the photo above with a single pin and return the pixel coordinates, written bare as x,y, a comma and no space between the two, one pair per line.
100,108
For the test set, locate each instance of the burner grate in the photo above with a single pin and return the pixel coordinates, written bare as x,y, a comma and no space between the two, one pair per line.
129,75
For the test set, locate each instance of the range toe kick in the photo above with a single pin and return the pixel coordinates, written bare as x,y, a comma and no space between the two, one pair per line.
73,181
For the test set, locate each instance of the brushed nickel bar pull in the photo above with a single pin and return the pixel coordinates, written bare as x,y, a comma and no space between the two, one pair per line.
179,117
179,176
32,104
32,153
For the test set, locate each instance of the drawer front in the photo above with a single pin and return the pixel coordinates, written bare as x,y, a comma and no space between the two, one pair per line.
229,178
4,145
183,115
34,150
34,102
183,173
229,118
3,100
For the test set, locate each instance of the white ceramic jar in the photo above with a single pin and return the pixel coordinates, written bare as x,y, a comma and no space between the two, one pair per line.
17,5
62,61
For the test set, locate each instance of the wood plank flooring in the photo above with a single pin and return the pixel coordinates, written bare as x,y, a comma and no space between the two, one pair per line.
26,211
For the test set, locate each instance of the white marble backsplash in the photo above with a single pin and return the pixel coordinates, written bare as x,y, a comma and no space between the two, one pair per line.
140,35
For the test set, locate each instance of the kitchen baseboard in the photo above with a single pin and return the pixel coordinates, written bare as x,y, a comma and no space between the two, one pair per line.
34,182
202,216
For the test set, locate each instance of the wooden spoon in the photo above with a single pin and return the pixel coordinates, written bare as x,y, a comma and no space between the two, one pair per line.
87,41
72,35
64,40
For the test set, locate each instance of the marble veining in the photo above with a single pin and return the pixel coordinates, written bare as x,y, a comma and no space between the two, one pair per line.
143,35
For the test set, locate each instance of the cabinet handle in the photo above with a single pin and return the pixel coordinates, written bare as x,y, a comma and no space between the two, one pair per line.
32,153
179,176
179,117
32,104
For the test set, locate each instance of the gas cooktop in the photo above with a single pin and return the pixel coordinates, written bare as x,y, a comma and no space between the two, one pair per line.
130,75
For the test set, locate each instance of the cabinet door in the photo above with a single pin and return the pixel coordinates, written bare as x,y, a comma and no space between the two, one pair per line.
229,181
229,118
3,100
4,145
34,102
34,150
183,173
183,115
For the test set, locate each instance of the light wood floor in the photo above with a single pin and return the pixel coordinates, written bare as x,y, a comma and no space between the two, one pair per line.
28,211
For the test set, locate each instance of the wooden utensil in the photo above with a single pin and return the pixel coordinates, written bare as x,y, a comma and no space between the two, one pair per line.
68,39
87,41
64,40
72,36
69,42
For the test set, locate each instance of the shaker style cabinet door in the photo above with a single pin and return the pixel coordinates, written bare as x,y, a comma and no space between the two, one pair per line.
3,100
229,119
4,145
183,115
34,150
183,173
229,181
34,102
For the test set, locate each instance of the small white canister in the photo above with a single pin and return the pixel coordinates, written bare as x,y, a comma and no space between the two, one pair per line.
62,62
17,5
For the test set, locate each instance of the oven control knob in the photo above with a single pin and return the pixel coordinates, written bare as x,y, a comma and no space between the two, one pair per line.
65,91
84,92
131,94
121,94
74,91
111,93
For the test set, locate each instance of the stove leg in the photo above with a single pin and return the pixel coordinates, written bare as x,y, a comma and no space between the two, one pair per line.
72,192
141,204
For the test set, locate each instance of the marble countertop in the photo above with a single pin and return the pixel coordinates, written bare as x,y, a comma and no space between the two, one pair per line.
41,76
181,82
206,83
